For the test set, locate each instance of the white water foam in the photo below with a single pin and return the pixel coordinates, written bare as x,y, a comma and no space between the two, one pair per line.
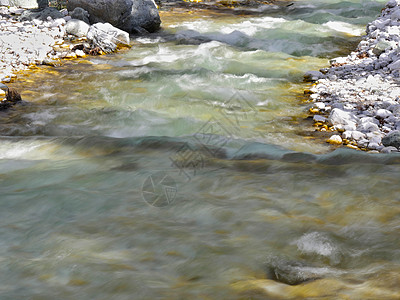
345,28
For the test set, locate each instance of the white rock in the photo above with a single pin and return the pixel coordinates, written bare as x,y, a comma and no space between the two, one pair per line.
340,118
347,135
383,113
395,16
64,11
107,37
391,3
357,135
338,60
319,118
389,149
319,105
395,65
80,53
77,28
373,146
335,139
369,120
367,127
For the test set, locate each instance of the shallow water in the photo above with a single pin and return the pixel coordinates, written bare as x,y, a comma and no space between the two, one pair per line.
183,168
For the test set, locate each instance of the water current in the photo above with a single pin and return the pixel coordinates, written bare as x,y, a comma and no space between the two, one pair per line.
185,168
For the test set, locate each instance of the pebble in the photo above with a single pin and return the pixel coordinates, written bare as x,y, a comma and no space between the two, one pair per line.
362,89
335,139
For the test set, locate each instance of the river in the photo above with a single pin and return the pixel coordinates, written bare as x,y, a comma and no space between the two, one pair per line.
186,168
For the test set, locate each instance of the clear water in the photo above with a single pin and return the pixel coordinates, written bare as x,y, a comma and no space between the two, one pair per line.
183,168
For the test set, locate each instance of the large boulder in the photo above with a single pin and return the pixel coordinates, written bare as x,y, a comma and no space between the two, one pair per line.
43,14
29,3
133,16
107,37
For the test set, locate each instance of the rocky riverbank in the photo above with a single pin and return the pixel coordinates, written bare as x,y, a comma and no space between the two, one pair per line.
31,37
358,97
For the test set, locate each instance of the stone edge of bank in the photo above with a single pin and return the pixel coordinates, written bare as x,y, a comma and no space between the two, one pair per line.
29,38
358,97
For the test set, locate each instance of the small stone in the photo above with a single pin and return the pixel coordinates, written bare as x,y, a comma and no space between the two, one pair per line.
339,118
319,105
318,118
367,127
13,96
383,113
3,87
70,55
373,146
335,140
64,11
311,76
80,53
389,149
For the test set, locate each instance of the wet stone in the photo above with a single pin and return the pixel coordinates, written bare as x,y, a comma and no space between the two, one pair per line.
362,88
392,139
290,272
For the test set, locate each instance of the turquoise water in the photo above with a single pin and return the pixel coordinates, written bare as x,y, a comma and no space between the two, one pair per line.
183,168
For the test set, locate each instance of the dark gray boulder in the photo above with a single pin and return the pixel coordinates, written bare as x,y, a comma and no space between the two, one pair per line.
392,139
29,15
133,16
80,14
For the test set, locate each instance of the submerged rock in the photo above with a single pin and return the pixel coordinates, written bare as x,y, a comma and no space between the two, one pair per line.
311,76
291,272
133,16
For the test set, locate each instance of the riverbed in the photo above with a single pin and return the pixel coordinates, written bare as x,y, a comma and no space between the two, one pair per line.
186,167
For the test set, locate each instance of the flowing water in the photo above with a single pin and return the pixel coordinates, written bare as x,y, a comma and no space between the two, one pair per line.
184,168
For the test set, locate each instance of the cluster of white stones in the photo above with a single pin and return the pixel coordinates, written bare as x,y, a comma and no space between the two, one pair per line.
27,43
359,95
24,43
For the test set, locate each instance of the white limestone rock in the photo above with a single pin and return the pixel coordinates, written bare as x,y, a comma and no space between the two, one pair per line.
77,28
